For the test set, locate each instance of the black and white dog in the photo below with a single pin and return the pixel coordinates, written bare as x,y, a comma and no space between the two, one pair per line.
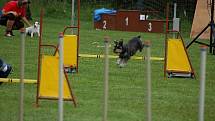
125,51
32,30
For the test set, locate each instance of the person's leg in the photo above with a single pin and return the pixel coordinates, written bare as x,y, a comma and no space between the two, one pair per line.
3,20
12,23
18,24
9,24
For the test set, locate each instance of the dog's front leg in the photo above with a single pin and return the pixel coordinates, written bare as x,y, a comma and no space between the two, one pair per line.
32,34
122,63
118,61
38,33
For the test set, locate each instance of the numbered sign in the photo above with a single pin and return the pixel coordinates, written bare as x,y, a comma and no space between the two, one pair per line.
127,20
107,22
154,26
104,24
150,27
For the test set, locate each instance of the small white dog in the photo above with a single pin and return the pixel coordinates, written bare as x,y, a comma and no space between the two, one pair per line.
35,29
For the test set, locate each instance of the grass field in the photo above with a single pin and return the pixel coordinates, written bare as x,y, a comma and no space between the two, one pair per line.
172,99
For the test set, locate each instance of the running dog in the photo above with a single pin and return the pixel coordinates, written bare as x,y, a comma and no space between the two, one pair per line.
32,30
125,51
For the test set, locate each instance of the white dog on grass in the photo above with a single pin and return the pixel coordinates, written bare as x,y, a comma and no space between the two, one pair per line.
32,30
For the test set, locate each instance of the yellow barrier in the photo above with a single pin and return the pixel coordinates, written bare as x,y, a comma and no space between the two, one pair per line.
177,60
11,80
70,50
113,56
48,87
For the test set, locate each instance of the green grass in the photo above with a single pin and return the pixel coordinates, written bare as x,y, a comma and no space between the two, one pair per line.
172,99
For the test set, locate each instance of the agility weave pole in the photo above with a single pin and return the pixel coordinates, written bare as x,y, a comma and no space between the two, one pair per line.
203,50
22,70
148,82
106,78
60,86
48,73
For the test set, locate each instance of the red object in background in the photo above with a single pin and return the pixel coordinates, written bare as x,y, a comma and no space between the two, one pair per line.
129,20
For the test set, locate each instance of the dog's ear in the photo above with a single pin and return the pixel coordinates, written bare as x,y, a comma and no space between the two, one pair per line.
121,42
139,36
115,42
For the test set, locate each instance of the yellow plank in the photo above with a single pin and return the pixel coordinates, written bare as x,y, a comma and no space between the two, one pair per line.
177,59
49,79
70,50
11,80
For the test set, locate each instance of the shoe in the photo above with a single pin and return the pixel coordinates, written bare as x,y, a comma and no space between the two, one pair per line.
9,34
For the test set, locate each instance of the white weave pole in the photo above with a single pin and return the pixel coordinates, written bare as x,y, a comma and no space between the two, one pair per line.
61,73
203,50
106,71
148,81
22,70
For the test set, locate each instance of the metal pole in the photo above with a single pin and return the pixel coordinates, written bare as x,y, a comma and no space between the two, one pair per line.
60,101
175,9
22,69
39,56
167,19
211,25
106,71
73,15
174,20
148,81
202,82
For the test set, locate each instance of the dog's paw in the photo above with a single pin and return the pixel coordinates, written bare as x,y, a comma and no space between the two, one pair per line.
118,61
121,65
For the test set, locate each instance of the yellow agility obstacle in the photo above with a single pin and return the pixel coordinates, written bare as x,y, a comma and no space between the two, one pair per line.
48,76
48,88
49,80
70,51
48,67
177,63
70,48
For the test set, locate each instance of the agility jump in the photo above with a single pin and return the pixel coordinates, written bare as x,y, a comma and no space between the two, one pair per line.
114,57
48,71
177,62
